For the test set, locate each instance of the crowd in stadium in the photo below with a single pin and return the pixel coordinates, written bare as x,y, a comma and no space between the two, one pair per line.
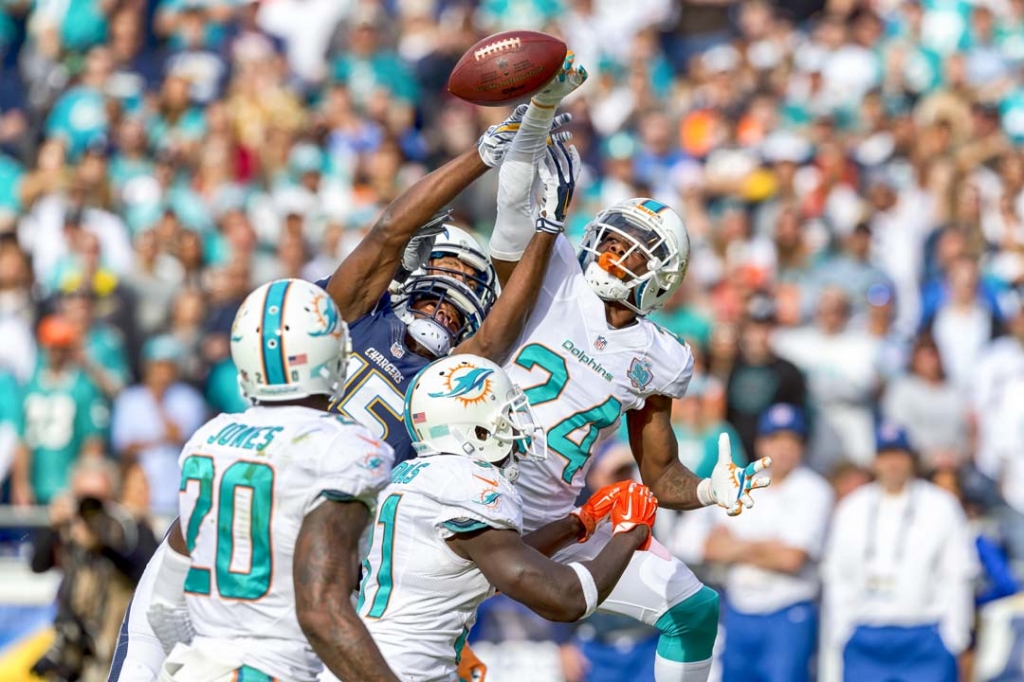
850,173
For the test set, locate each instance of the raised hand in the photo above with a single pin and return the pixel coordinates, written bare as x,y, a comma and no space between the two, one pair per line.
636,506
417,251
494,144
730,486
558,174
598,506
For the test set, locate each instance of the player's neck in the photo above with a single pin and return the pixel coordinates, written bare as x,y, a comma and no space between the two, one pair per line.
617,315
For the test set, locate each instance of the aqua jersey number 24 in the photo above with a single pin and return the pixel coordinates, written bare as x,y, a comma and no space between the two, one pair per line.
592,419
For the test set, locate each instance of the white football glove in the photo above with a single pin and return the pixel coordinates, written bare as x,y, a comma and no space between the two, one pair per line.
558,174
170,622
568,78
417,251
730,486
494,144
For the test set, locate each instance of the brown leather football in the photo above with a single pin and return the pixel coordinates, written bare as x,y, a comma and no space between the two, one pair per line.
506,67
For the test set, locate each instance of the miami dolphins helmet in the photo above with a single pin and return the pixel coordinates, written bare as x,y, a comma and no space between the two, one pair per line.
643,226
467,405
288,341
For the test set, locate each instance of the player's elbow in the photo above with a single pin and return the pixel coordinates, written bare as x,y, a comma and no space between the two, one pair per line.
319,624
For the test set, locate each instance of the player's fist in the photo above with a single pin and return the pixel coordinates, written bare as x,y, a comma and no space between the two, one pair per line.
598,506
730,486
637,506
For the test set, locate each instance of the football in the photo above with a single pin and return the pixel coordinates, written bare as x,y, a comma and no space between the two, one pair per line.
506,67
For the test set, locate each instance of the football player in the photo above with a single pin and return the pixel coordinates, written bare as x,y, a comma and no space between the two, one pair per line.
274,501
447,299
448,527
387,351
589,357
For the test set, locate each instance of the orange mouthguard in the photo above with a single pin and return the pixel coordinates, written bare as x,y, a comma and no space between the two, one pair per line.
610,264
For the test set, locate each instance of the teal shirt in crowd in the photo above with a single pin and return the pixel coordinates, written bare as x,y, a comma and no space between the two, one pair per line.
11,173
383,70
61,414
10,402
79,117
105,347
84,25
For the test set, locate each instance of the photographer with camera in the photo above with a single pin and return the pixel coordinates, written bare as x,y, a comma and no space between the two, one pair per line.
102,550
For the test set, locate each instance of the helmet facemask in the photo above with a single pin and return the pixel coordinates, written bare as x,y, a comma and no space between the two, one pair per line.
606,273
425,327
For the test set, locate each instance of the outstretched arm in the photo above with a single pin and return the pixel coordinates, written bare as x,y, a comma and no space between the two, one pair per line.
654,446
550,589
516,177
326,572
508,317
553,536
555,591
657,454
362,278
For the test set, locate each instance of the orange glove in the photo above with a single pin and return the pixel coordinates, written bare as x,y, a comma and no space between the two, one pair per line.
471,668
597,507
636,506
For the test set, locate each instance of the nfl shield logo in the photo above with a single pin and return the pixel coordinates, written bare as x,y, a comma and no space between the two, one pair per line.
397,350
600,343
640,373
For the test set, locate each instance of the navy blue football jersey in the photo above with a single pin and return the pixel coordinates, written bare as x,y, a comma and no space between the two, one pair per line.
380,370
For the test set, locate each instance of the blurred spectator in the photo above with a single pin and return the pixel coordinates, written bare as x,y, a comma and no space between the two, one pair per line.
996,578
155,280
846,477
17,313
65,417
102,353
962,326
698,421
897,574
102,550
152,420
850,270
933,411
771,585
841,365
1000,365
759,377
1005,440
186,326
10,420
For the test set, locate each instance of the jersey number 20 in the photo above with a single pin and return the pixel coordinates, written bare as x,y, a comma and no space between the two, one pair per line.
592,419
245,495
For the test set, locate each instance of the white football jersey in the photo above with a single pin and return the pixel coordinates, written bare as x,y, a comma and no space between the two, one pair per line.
418,598
580,375
247,482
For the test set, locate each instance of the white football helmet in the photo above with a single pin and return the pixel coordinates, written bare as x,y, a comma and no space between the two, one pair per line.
288,341
655,231
472,294
467,405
